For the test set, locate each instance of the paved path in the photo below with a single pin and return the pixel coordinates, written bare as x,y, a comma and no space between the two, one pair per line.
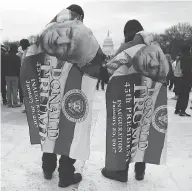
21,162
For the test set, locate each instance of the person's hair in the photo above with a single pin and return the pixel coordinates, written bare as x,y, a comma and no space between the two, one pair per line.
131,28
13,48
24,43
77,9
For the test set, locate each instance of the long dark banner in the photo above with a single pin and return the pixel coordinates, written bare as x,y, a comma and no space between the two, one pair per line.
136,121
58,93
30,79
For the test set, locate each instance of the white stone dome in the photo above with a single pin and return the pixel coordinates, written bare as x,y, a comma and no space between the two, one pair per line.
108,41
108,47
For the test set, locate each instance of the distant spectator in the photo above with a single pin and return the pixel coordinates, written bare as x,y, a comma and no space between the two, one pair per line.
186,82
24,43
3,82
104,76
170,75
177,77
12,71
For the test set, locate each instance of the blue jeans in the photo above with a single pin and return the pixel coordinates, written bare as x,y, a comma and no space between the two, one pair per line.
12,89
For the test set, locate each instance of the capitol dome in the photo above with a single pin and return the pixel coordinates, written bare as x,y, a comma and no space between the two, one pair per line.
108,47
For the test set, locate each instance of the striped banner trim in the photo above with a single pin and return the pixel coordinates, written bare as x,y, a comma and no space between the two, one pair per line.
80,147
67,127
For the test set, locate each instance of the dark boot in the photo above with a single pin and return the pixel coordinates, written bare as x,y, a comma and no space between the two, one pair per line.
4,103
120,176
49,164
74,180
139,170
177,111
184,114
47,175
66,171
9,105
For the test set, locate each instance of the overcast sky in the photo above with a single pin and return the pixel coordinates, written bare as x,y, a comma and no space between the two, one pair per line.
22,18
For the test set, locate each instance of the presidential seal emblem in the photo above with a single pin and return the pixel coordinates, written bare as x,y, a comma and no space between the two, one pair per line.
75,106
160,119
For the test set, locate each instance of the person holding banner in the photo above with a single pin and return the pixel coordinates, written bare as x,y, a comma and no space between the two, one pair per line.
58,80
138,74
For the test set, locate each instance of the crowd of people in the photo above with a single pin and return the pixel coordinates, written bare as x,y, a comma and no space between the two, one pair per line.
180,76
11,62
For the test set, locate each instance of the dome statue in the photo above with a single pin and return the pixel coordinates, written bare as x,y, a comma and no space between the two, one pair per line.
108,47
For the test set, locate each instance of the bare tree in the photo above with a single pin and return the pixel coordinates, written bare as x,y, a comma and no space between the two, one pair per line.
181,31
174,37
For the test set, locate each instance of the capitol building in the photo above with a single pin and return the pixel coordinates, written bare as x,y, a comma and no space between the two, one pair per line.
108,46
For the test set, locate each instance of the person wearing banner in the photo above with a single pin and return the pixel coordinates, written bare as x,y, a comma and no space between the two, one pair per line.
139,54
186,82
58,78
66,164
79,55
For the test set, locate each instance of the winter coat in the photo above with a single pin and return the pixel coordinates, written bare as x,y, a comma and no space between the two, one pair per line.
186,68
13,64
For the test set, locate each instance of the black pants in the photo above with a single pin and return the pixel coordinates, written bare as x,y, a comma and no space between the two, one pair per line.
177,85
66,169
171,82
139,167
3,89
183,98
102,84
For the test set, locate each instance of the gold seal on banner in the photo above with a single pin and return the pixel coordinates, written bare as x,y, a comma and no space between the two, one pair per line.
160,119
75,106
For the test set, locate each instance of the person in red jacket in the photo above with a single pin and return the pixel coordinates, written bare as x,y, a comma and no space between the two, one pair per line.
12,76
